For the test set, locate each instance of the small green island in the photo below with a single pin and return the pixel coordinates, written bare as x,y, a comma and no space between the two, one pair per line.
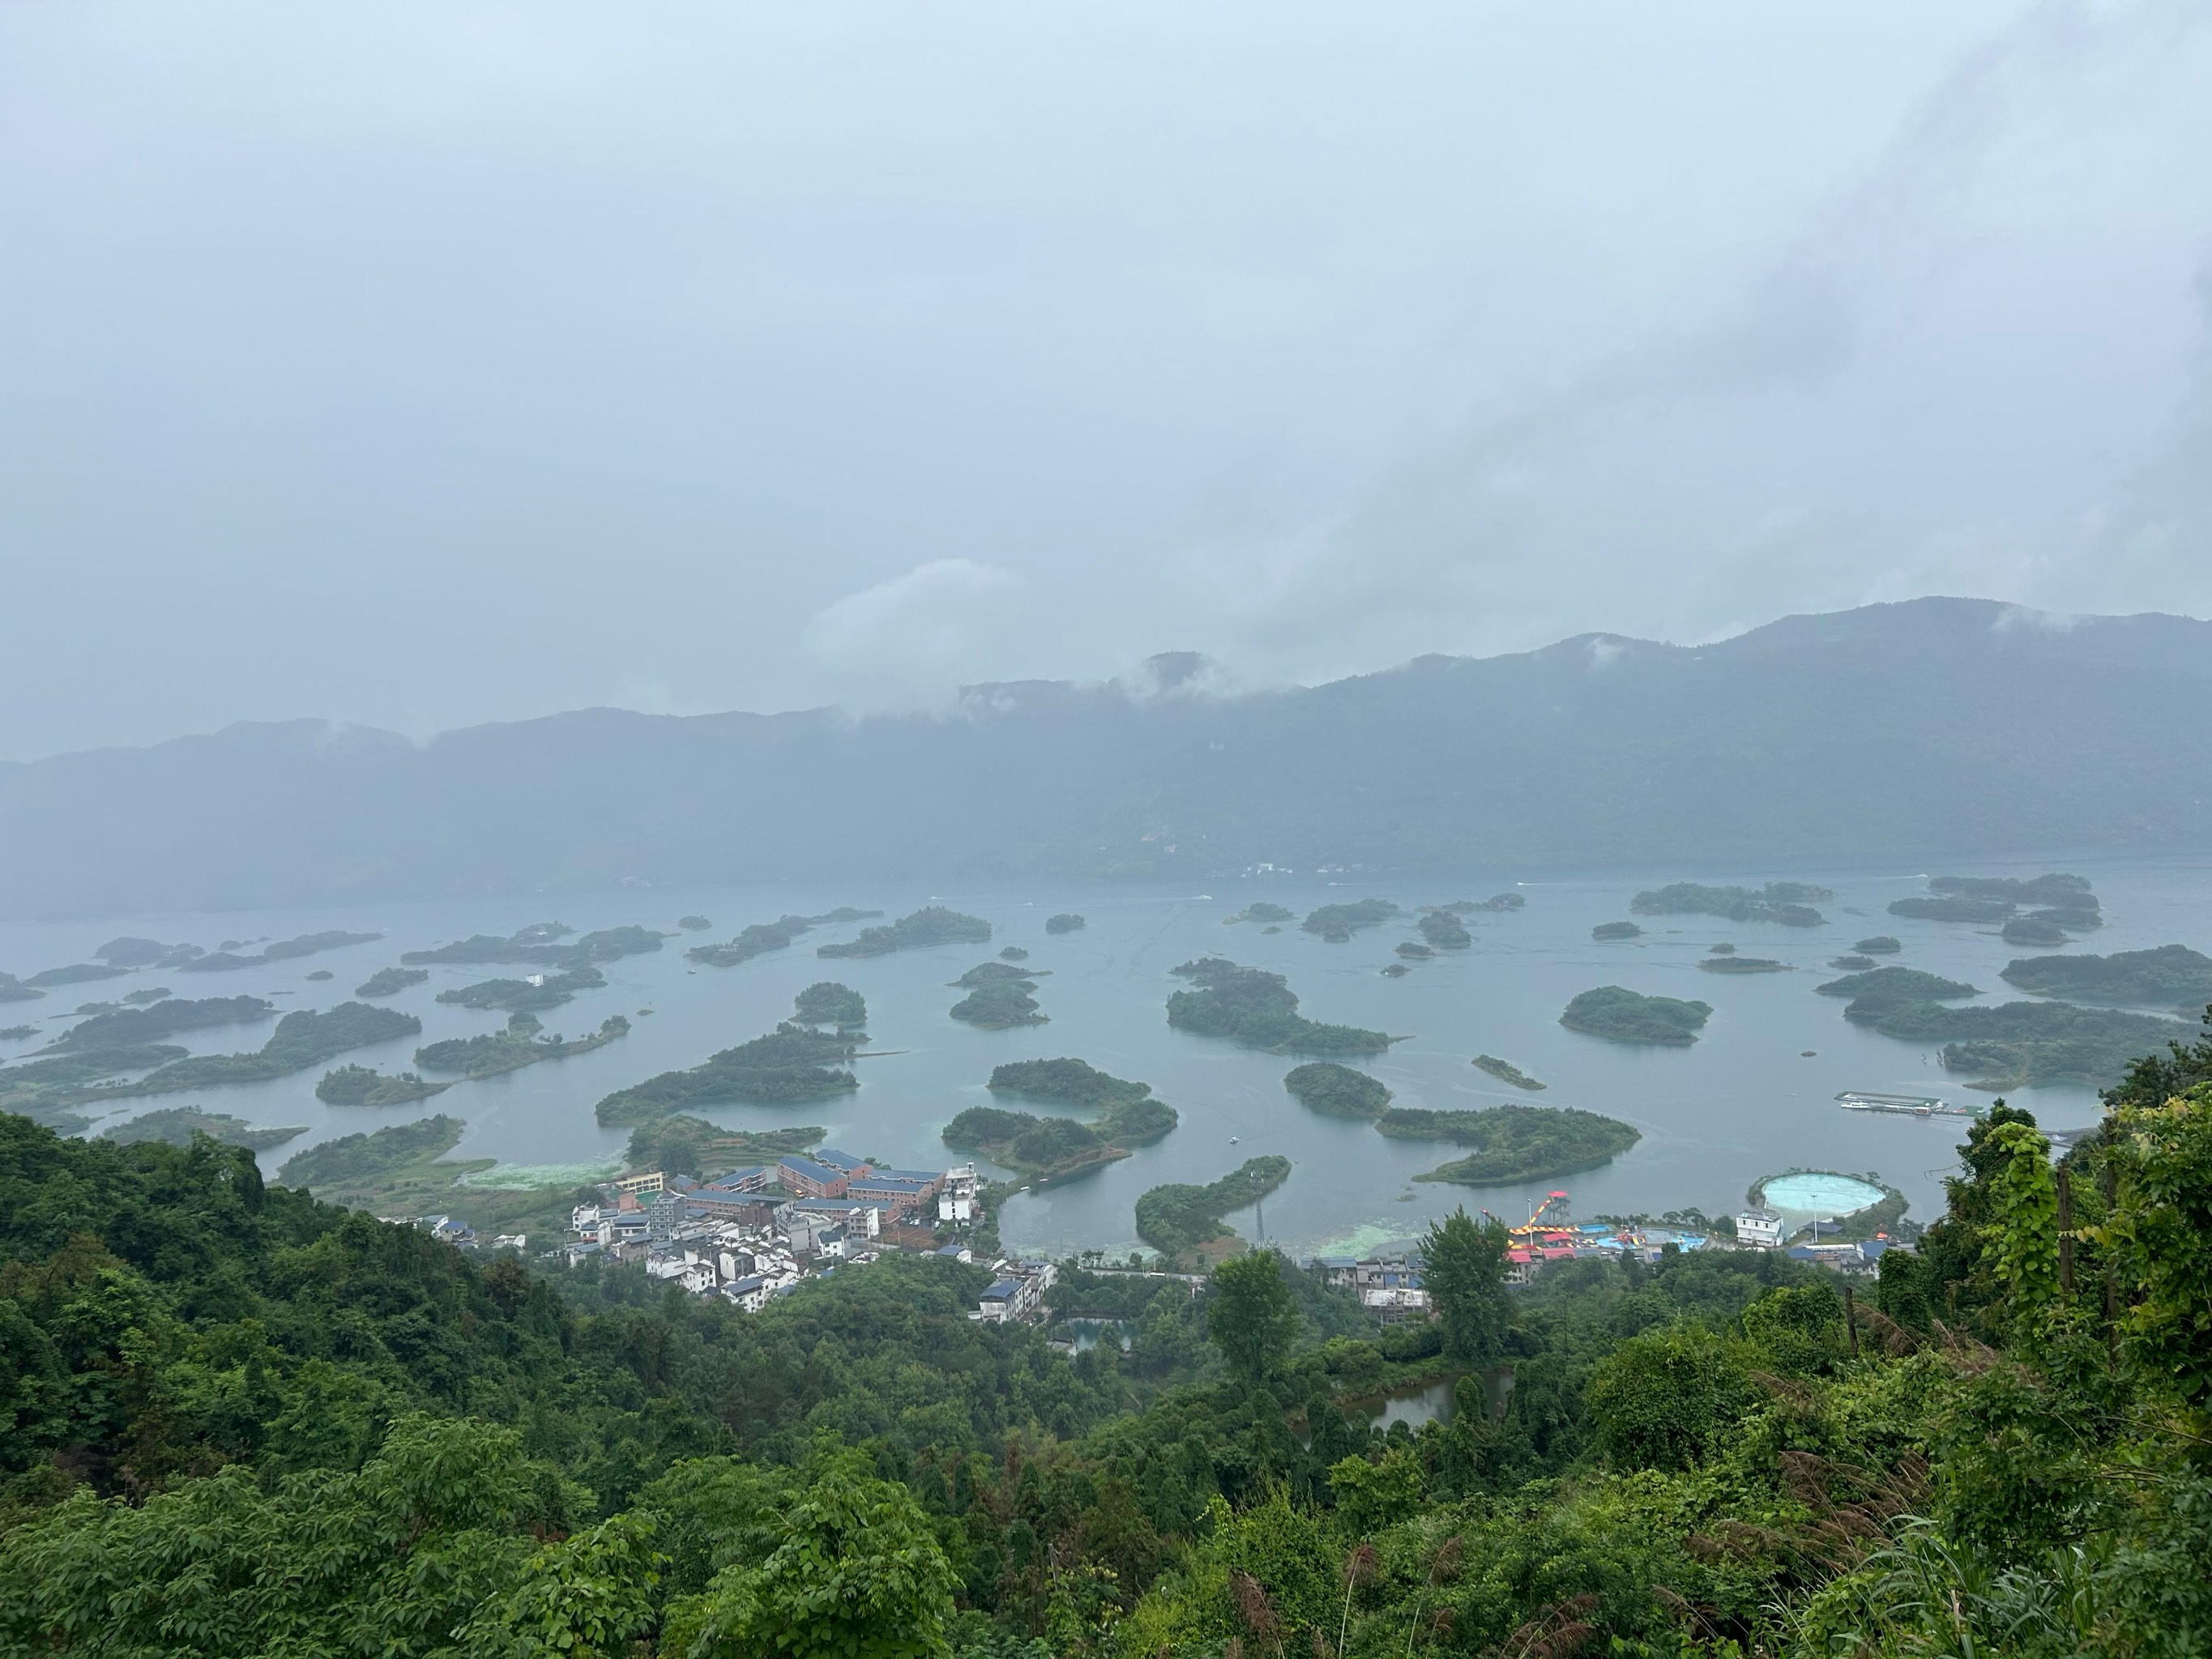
364,1085
694,924
1880,945
931,925
1261,911
1337,923
1128,1115
391,982
1335,1090
825,1002
17,1033
510,1050
1880,985
1184,1222
1506,1072
522,996
1789,902
129,952
1612,930
792,1062
1066,922
1413,952
1396,970
2168,976
1500,902
1514,1143
1445,930
1046,1150
1000,997
177,1124
288,950
1013,953
1720,949
1259,1009
1852,964
1736,964
1620,1015
761,936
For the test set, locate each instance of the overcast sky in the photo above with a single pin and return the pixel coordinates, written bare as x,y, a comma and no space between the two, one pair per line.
421,365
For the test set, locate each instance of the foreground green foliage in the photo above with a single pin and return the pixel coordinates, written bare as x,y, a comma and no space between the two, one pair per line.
242,1422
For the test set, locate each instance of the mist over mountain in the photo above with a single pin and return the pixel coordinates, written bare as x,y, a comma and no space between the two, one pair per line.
1937,726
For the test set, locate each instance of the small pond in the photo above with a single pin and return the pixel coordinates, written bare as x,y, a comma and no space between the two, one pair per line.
1820,1194
1436,1402
1089,1332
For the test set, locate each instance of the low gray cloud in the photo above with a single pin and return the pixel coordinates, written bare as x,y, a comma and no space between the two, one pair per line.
415,365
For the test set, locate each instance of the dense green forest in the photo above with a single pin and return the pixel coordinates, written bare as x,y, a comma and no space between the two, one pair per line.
999,1005
1514,1143
1335,1090
530,995
302,1038
288,950
1258,1008
242,1421
1624,1016
1066,922
1048,1149
123,1028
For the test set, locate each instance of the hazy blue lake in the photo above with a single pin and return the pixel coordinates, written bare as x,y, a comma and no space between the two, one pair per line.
1743,1103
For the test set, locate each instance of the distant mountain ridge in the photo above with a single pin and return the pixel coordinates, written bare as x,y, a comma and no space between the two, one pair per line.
1939,726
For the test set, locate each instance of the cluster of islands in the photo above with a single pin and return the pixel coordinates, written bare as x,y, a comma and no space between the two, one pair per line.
2080,1018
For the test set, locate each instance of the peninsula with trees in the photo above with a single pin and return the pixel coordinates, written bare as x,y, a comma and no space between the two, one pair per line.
1184,1222
288,949
792,1062
1259,1009
175,1126
518,1045
391,982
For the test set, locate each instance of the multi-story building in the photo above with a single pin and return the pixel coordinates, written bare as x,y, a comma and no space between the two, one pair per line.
808,1178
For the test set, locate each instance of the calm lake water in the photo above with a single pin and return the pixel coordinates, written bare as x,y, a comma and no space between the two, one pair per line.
1741,1103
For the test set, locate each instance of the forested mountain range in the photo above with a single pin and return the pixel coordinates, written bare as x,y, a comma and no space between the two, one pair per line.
1932,727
